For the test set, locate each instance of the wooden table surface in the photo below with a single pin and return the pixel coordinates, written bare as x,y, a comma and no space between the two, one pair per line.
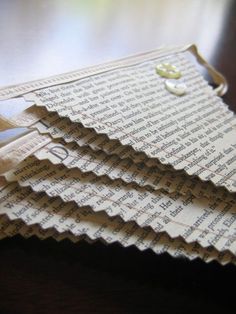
41,38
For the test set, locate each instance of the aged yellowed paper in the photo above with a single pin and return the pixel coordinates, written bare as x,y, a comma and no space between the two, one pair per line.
209,222
54,214
195,132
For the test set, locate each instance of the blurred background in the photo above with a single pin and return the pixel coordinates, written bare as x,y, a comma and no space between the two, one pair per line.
39,38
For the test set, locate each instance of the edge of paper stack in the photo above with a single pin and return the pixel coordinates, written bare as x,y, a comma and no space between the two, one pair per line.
111,155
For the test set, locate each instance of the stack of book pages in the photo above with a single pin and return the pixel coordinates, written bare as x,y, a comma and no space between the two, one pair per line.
139,151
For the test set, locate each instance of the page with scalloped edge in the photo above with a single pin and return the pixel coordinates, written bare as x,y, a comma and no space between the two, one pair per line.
38,208
177,212
50,123
207,222
10,228
195,132
84,158
59,127
73,156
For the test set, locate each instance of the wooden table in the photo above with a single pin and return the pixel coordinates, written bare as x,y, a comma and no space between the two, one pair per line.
41,38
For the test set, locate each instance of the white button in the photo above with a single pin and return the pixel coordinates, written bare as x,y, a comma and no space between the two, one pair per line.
176,87
168,70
